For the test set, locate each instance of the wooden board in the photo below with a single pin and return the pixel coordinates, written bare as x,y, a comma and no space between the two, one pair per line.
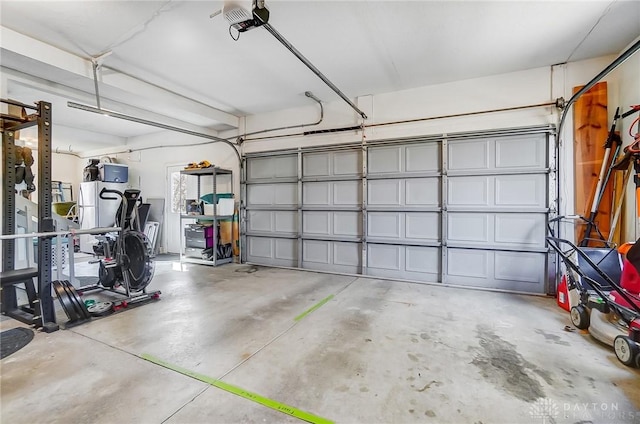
590,131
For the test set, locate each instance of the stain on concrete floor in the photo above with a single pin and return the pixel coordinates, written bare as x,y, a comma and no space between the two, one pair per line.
501,364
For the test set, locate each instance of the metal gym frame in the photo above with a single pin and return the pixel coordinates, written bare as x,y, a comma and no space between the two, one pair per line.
40,310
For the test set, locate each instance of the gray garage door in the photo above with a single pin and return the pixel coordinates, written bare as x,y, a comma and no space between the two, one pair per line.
466,209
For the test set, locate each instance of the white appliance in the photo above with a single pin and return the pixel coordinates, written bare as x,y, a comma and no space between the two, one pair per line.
96,212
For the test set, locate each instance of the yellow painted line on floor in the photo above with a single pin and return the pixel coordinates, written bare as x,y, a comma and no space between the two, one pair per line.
313,308
269,403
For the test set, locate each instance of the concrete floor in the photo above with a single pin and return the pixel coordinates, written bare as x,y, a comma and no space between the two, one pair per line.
378,352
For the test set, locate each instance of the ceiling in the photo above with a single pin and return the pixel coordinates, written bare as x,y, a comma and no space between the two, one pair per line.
171,62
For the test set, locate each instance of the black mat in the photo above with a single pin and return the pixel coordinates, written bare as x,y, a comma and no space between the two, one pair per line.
13,340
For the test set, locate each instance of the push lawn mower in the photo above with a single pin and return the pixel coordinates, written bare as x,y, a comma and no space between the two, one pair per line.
603,293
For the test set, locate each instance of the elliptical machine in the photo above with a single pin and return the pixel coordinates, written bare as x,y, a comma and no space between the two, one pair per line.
125,265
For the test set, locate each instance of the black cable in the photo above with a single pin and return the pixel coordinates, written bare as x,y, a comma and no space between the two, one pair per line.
231,34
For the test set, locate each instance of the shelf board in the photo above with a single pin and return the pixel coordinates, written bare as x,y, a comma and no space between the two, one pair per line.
206,171
205,262
206,217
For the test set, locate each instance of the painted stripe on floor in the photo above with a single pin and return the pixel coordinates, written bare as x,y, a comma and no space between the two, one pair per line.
313,308
269,403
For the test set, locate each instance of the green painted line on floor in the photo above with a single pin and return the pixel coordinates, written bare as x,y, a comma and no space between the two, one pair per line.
313,308
269,403
176,368
285,409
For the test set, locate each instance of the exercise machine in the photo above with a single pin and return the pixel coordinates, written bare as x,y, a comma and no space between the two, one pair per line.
125,266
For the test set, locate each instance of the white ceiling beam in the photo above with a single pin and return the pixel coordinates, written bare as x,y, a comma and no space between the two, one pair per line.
116,86
18,78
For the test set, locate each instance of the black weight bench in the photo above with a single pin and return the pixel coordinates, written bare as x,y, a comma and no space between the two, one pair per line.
28,314
15,276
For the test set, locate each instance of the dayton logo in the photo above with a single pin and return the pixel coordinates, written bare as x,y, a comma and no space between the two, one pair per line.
545,409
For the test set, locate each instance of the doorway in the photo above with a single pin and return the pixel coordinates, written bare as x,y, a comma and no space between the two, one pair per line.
176,190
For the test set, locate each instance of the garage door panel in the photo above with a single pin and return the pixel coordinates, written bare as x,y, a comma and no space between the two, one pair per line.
520,229
332,193
286,249
468,155
422,226
410,158
316,251
384,160
272,167
384,192
328,223
316,193
404,226
422,259
498,154
332,164
315,164
422,192
347,224
281,194
525,152
334,256
468,227
260,221
468,263
404,262
286,221
521,190
316,222
260,247
384,256
422,157
272,251
468,191
520,266
346,254
347,193
384,225
411,192
347,163
262,195
525,190
497,230
272,221
510,271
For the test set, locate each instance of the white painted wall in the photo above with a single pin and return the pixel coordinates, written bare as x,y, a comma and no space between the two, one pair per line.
67,168
628,77
533,86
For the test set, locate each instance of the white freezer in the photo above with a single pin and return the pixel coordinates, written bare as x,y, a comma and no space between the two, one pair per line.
95,212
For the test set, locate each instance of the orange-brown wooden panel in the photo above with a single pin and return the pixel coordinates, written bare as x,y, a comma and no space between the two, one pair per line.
590,131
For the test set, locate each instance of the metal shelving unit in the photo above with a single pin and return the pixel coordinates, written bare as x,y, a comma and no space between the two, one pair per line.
214,173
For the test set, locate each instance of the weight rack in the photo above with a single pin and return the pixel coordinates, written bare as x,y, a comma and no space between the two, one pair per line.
40,310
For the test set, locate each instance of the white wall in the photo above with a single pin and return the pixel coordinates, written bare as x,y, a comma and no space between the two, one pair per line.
65,168
514,89
628,76
68,169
